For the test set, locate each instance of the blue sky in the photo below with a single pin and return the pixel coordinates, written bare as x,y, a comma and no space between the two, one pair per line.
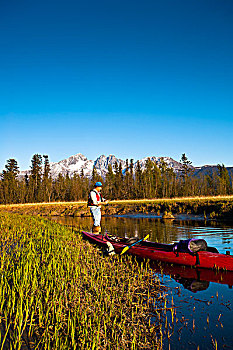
130,78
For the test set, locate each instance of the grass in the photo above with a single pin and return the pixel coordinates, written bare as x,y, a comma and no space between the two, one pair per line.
130,201
59,292
218,207
176,199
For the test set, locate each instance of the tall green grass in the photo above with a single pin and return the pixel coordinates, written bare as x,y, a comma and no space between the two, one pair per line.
59,292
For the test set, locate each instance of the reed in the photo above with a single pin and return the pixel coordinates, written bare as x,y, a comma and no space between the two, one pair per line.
59,292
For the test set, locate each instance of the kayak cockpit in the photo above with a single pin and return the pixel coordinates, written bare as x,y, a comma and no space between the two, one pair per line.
155,245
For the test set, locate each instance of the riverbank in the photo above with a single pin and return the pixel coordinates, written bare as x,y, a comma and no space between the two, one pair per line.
57,291
210,208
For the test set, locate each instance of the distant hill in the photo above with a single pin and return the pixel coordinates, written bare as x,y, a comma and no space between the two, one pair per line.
209,170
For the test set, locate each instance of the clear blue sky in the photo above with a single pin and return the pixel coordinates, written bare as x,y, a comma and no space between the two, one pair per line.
130,78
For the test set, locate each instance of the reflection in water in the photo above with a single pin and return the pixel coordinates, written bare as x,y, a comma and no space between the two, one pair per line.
214,301
193,285
193,279
216,234
168,231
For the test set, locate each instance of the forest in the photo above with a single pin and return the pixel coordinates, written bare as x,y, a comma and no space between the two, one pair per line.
151,182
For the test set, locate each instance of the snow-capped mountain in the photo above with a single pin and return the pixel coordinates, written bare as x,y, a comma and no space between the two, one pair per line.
79,163
171,163
102,163
72,165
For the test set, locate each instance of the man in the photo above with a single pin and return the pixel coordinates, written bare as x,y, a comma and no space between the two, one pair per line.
94,203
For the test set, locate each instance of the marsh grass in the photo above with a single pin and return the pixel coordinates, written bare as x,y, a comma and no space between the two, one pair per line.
130,201
220,207
57,291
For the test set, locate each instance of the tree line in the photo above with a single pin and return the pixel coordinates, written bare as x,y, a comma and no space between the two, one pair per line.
154,181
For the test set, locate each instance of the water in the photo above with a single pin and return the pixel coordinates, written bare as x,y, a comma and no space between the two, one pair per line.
203,309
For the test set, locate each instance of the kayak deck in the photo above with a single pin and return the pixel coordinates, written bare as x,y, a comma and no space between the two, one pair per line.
210,259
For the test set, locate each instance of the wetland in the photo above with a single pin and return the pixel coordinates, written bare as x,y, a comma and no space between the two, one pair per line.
58,291
203,307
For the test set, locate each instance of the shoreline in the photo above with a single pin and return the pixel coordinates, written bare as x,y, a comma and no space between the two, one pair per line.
193,208
183,217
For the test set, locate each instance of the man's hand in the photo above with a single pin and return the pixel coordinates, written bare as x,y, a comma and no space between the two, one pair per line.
106,202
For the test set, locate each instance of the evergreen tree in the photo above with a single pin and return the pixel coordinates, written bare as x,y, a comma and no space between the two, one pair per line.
10,186
120,180
109,183
82,174
224,180
36,178
84,186
116,180
1,190
152,182
22,191
68,188
209,187
127,181
26,188
138,181
164,178
76,191
12,168
170,182
131,180
26,179
186,166
47,180
95,177
46,166
148,179
59,189
186,172
156,181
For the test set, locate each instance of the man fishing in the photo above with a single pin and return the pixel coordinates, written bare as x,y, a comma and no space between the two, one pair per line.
95,200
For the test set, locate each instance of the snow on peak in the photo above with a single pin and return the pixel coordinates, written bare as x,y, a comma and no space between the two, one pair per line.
78,163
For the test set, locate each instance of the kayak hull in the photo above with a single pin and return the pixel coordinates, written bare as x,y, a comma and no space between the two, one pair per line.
164,253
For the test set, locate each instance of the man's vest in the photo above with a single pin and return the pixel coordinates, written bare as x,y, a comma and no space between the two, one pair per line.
90,201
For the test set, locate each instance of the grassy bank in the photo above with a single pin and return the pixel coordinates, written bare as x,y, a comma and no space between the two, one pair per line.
209,207
59,292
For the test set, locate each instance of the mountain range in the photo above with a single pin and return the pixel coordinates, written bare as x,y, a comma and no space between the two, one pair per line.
79,163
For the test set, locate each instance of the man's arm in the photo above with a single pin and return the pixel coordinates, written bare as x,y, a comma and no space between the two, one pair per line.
105,201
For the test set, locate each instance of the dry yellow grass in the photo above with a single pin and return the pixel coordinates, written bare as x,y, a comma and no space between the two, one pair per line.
128,201
41,204
176,199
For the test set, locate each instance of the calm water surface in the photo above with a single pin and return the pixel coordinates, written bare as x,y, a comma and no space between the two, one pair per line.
204,310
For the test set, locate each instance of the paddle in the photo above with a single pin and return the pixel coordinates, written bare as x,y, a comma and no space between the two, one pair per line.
127,247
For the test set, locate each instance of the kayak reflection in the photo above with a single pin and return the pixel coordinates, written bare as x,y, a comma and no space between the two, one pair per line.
193,279
193,285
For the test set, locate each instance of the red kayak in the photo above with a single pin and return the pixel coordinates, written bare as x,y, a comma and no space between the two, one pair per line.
209,259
